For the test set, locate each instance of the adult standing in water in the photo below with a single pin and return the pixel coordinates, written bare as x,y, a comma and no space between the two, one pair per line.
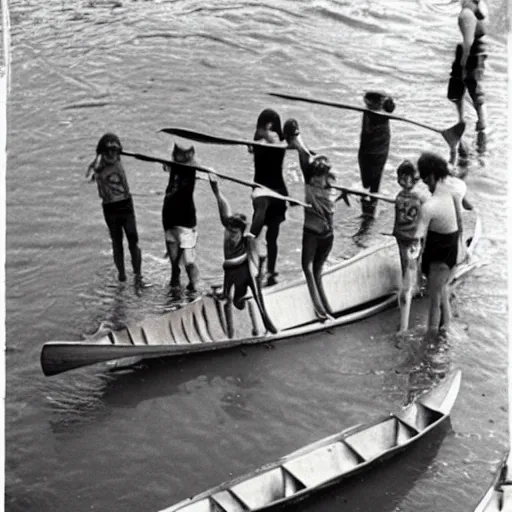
179,217
440,227
469,64
374,145
118,210
268,171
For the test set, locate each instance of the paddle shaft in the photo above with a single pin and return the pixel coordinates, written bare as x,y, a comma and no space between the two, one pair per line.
200,168
362,193
357,109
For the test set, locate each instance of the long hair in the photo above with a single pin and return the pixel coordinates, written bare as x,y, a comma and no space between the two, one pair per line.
269,116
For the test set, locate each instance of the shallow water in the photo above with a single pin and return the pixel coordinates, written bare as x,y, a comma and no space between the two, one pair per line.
94,440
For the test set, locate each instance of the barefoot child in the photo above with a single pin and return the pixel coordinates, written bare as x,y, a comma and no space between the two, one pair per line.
440,225
179,218
407,208
109,174
240,262
374,145
268,171
318,233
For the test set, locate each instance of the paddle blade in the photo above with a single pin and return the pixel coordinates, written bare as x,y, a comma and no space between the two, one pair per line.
452,135
197,136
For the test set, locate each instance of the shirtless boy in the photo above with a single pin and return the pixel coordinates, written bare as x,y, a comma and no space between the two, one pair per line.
440,226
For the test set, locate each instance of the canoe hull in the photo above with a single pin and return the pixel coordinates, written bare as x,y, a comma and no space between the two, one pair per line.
331,460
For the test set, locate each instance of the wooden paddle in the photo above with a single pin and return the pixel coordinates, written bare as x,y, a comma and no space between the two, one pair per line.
212,139
361,193
251,184
451,135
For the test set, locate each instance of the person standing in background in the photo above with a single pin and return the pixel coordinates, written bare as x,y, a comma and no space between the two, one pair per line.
468,67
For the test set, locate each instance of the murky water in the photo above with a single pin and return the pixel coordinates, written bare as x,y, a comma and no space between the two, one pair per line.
94,440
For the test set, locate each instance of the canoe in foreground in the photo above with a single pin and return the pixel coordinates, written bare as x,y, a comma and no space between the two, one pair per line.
330,460
499,497
355,288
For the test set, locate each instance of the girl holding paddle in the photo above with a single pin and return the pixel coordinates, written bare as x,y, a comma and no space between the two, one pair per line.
318,232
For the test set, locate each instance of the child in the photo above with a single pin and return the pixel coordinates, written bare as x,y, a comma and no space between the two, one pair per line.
374,146
318,233
179,218
240,262
407,209
117,203
268,171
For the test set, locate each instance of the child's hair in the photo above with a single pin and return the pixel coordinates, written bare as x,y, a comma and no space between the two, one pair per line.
238,221
320,165
269,116
108,141
432,164
183,155
290,128
385,100
407,168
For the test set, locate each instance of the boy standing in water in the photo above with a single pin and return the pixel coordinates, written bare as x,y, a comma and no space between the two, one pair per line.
318,232
240,262
179,217
268,171
374,145
118,210
407,209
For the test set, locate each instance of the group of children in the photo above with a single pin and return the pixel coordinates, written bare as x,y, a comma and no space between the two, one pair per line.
244,258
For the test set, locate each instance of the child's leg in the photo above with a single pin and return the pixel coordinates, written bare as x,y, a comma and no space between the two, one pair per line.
174,253
130,228
322,253
115,228
309,248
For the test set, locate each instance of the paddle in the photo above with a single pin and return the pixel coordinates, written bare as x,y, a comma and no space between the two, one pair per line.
251,184
361,193
451,135
212,139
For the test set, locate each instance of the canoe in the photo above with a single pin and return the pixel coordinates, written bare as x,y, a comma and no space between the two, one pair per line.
330,460
499,496
355,289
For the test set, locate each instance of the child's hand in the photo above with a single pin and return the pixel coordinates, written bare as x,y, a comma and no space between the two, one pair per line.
166,167
213,182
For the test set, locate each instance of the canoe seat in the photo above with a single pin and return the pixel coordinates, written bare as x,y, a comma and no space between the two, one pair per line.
226,501
266,488
418,417
372,441
323,464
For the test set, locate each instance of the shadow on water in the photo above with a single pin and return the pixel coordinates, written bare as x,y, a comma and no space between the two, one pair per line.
385,486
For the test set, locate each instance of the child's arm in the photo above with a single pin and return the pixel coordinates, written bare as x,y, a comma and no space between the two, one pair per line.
93,166
224,208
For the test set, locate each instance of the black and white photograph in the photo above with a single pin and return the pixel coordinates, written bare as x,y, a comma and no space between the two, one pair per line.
256,255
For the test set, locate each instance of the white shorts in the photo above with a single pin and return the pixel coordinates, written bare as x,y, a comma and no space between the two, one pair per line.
186,238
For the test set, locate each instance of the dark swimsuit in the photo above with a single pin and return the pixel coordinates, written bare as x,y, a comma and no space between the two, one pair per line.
440,248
